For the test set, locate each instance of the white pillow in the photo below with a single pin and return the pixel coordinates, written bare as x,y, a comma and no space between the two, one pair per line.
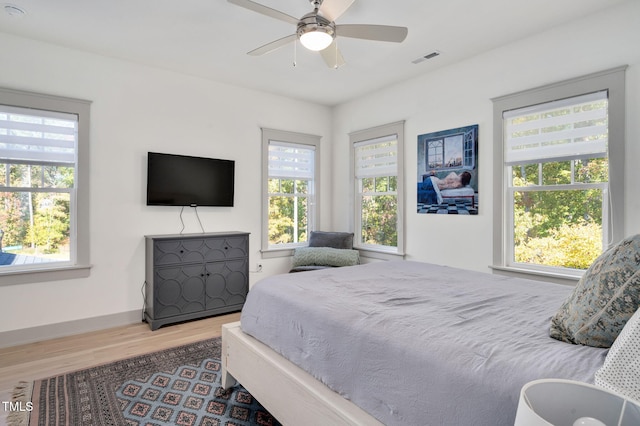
620,372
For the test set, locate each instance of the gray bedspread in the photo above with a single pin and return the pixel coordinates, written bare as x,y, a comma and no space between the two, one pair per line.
418,344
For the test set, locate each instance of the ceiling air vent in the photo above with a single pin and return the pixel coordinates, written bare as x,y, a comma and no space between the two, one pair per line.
13,10
427,56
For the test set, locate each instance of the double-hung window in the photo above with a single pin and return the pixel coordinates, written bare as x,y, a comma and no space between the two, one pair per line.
40,226
291,163
562,174
378,188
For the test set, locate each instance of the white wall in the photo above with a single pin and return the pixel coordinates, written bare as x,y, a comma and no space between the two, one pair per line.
460,95
137,109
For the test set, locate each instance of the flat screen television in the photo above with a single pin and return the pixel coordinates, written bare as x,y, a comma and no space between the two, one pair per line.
181,180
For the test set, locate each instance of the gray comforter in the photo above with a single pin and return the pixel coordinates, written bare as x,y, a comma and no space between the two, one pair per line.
418,344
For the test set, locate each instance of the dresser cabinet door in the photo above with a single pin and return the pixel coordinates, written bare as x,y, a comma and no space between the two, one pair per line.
227,283
179,290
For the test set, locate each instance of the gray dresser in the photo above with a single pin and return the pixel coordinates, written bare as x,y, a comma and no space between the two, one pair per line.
192,276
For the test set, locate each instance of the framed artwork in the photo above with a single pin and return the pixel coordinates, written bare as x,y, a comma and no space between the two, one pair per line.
448,172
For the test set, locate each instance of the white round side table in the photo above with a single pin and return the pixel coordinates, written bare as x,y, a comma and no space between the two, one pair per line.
559,402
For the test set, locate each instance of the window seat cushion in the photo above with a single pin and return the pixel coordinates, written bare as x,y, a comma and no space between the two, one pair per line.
309,268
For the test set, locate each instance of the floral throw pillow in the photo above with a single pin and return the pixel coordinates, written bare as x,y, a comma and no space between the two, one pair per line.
604,299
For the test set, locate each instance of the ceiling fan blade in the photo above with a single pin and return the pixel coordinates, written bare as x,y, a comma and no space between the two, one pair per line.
270,47
333,9
265,10
332,56
373,32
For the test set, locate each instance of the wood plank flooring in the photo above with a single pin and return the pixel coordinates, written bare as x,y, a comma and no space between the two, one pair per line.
52,357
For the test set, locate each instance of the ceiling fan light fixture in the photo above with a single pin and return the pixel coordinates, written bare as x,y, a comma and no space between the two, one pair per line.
315,32
316,40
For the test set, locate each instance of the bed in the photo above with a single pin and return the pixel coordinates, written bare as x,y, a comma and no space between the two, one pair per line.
399,343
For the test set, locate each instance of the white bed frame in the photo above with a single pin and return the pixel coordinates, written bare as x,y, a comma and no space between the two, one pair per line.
289,393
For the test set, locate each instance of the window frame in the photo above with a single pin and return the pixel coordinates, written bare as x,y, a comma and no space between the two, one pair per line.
296,139
613,81
79,266
357,138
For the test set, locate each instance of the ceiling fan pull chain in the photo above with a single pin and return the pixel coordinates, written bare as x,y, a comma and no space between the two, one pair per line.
295,53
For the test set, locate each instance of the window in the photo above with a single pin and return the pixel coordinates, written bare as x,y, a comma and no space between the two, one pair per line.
562,174
43,222
378,188
291,187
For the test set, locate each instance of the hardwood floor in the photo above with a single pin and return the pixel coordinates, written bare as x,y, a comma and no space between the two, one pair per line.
52,357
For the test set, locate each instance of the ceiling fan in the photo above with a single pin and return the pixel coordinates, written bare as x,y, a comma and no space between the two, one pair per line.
317,30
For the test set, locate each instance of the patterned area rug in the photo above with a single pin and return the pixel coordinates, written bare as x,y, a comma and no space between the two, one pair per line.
177,386
189,395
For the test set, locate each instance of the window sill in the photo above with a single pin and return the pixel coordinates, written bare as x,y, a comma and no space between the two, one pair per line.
379,254
30,276
555,277
274,253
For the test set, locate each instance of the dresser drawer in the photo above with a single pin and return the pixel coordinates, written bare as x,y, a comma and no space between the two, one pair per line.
198,250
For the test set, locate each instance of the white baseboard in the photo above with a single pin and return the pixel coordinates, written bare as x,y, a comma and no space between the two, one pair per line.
68,328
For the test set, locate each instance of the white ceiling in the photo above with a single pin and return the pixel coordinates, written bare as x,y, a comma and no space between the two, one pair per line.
210,38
